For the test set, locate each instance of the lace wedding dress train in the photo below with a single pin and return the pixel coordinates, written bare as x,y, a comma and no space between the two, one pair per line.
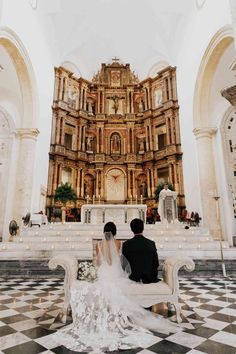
104,319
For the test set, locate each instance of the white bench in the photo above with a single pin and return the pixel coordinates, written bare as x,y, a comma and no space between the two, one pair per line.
146,295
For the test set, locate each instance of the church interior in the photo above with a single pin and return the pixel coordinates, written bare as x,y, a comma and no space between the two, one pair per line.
102,103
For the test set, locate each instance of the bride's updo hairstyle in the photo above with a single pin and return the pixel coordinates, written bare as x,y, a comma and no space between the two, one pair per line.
109,230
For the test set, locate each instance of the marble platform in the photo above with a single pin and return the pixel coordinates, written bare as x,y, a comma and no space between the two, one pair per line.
76,238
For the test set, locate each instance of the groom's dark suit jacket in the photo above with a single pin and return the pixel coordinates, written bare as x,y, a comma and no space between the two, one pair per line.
143,259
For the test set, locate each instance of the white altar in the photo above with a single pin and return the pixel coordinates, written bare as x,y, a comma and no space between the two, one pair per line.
167,207
118,213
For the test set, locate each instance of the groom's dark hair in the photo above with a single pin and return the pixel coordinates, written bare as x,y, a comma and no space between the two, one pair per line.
110,227
137,226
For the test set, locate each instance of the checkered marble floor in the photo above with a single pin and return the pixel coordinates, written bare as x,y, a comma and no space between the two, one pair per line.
30,312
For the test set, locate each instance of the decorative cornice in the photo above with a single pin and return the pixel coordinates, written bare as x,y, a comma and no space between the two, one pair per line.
206,132
27,133
230,94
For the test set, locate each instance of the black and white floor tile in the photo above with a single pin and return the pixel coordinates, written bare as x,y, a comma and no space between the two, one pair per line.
30,312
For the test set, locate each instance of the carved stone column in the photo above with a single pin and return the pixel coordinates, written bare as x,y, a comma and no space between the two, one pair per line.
152,179
59,173
78,183
128,187
83,139
97,184
147,140
62,131
80,138
55,177
61,88
50,178
58,129
207,178
102,183
56,87
82,184
155,177
148,183
25,171
98,140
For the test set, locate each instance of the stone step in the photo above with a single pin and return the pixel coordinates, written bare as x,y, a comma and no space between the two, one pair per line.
39,269
88,238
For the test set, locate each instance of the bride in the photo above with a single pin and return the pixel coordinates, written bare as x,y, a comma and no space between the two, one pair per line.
104,318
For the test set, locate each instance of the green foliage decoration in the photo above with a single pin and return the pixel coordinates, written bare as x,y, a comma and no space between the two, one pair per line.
64,193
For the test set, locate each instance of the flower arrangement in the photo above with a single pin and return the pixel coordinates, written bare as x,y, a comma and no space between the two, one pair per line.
87,271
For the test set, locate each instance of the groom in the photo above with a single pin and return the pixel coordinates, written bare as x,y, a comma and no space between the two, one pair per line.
141,254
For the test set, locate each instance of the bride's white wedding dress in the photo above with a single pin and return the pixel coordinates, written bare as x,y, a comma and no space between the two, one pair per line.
104,319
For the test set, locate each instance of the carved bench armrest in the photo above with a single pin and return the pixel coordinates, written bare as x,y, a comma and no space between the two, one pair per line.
70,265
171,268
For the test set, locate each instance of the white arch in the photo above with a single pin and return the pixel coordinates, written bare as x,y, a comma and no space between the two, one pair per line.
158,66
216,48
69,65
207,136
18,54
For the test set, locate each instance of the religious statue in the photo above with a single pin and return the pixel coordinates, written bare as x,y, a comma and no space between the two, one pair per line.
115,144
89,143
140,106
116,99
141,146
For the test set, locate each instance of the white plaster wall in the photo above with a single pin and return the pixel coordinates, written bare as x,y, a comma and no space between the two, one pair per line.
24,21
195,38
218,107
177,32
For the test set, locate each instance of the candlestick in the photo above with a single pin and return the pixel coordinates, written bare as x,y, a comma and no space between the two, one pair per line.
93,199
141,201
136,199
99,198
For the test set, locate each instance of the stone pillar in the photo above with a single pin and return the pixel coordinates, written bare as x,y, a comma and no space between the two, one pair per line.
128,142
170,88
58,129
56,87
85,96
78,183
81,98
55,177
170,173
207,179
98,140
155,177
128,189
97,184
61,84
50,178
25,171
134,185
150,137
147,140
102,140
83,139
153,185
82,184
62,132
102,183
60,173
148,183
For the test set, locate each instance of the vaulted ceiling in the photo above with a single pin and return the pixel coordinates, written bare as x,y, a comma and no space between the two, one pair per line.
83,34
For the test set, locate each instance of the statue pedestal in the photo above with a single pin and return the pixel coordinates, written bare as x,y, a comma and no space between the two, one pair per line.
118,213
167,208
